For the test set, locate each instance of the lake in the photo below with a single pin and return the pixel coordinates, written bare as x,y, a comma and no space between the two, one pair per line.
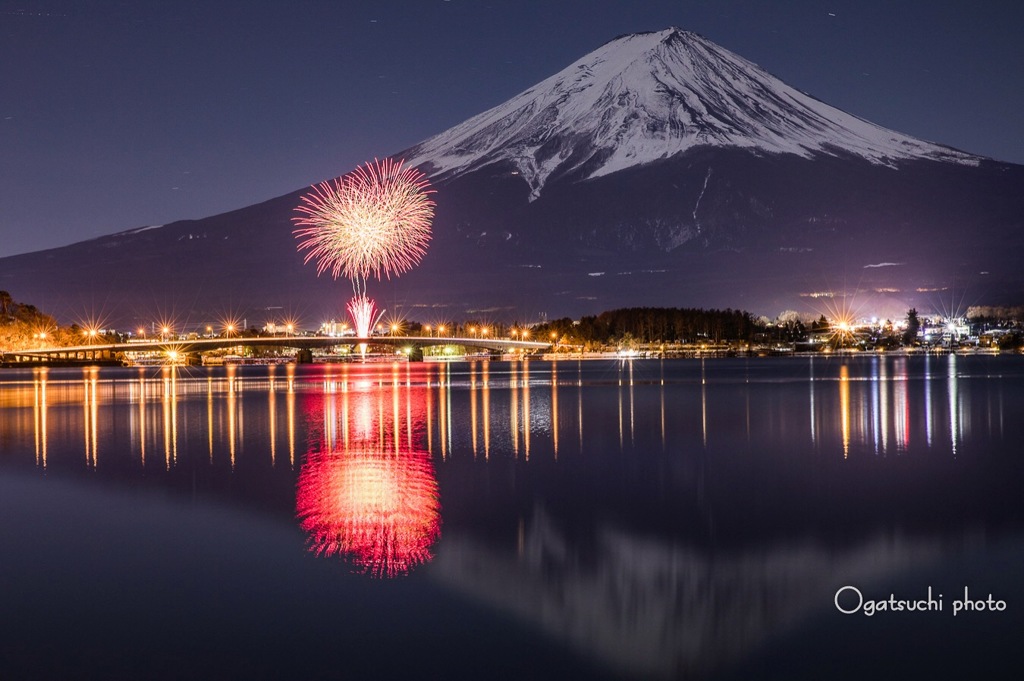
712,518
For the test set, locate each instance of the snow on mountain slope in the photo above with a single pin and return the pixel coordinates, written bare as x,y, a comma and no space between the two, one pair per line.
649,96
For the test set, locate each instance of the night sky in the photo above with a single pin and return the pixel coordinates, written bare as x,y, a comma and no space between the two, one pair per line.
116,115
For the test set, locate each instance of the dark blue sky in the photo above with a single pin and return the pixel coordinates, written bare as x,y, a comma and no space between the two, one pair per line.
116,115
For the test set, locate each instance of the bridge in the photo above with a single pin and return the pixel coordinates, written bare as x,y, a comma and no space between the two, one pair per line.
179,349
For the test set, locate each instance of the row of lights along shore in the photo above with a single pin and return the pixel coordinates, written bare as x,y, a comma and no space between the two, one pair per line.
167,332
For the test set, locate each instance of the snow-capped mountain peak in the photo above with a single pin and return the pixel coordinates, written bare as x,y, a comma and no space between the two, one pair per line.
649,96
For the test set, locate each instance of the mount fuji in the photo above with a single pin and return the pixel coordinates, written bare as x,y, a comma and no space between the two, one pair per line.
658,170
648,97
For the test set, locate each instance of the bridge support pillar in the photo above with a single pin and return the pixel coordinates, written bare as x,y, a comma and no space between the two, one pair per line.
304,356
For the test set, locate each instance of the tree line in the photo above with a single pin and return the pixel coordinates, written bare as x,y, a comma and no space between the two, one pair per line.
653,325
23,325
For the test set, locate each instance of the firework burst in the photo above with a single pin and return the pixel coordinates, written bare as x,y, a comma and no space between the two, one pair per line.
373,221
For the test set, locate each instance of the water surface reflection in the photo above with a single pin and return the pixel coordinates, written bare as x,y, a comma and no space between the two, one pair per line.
655,518
366,491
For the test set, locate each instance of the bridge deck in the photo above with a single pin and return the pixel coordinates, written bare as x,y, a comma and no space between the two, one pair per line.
108,351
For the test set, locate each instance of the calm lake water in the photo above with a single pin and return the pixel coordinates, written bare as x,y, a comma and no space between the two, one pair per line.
548,520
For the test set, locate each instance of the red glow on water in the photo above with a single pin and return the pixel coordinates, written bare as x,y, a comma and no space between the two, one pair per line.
380,509
367,490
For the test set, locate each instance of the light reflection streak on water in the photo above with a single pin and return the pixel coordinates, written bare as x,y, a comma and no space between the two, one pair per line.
448,406
632,413
901,405
554,408
272,416
621,445
472,407
443,406
209,415
951,388
396,420
291,416
514,409
231,407
844,408
661,389
703,403
746,395
884,388
579,400
408,407
89,416
430,417
928,399
487,409
39,417
814,413
876,422
526,408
